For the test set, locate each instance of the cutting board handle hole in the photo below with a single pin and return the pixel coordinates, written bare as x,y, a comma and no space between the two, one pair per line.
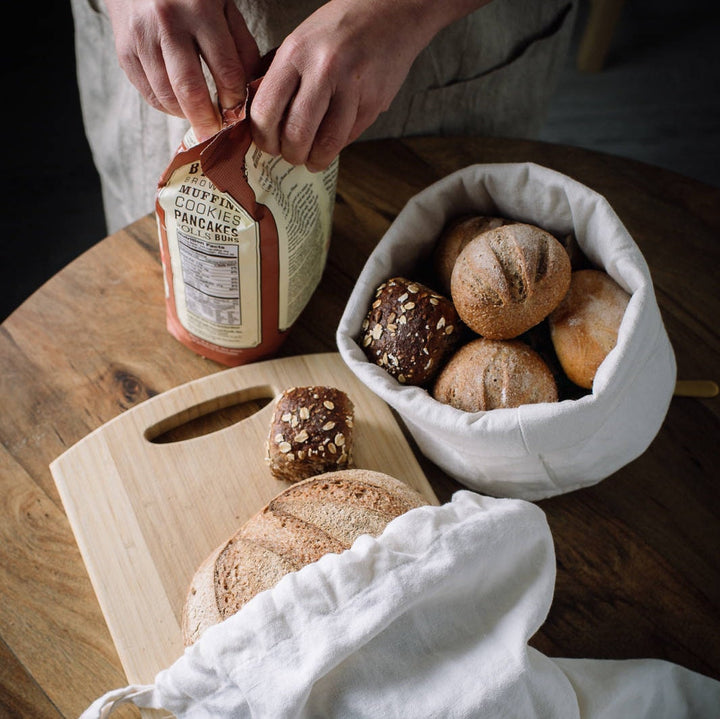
210,416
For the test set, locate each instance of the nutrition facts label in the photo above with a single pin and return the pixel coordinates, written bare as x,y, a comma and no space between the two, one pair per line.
213,249
211,274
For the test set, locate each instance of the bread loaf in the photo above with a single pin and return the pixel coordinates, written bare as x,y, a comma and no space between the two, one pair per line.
309,519
508,279
311,432
490,374
453,240
410,330
584,327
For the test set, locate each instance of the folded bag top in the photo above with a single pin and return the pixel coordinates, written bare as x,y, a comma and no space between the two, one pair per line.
535,450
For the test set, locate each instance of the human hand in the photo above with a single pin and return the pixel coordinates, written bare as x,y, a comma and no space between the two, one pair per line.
335,74
160,44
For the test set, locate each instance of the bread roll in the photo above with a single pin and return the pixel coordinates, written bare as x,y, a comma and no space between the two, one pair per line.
309,519
490,374
578,259
584,326
508,279
538,339
311,432
452,241
410,330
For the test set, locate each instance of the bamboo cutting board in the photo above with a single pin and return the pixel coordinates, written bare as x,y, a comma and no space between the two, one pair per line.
146,513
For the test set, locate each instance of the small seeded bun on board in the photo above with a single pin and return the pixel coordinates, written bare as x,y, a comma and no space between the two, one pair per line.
309,519
490,374
410,330
584,327
311,432
508,279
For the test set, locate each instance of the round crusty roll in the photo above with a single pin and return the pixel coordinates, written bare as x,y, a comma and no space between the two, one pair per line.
584,326
508,279
453,240
319,515
490,374
410,330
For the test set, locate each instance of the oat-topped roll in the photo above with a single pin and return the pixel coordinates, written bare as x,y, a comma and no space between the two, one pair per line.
410,330
311,432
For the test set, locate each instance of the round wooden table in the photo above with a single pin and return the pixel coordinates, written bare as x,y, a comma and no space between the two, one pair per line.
638,560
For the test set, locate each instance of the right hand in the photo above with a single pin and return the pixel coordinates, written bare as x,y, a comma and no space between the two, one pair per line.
159,44
334,74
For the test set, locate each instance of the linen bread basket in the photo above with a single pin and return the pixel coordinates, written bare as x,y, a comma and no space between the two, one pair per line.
535,450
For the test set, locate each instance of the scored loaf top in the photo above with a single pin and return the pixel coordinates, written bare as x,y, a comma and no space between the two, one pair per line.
323,514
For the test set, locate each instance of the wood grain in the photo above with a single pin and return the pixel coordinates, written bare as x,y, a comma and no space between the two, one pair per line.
22,696
146,514
638,568
46,593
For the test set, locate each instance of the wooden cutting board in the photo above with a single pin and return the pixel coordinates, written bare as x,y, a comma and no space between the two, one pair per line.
146,513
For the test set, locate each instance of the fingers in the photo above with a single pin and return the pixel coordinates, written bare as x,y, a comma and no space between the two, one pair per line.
139,75
315,127
162,46
335,132
302,117
327,83
245,45
230,53
189,88
269,106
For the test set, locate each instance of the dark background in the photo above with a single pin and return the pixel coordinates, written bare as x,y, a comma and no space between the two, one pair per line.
657,100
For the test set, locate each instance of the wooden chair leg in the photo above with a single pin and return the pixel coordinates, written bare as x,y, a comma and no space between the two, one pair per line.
598,33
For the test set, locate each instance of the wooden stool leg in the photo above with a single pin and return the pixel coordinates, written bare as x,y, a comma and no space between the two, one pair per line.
598,33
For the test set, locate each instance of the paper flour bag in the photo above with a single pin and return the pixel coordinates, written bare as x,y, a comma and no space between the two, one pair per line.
244,238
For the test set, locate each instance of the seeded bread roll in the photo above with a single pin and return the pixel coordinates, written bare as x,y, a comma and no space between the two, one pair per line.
311,432
508,279
309,519
410,330
584,326
452,242
489,374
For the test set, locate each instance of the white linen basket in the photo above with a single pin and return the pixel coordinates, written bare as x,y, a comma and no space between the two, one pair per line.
533,451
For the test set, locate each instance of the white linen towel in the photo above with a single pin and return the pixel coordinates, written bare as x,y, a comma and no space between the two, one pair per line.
431,619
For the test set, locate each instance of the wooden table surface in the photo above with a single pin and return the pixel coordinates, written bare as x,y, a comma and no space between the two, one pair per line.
638,555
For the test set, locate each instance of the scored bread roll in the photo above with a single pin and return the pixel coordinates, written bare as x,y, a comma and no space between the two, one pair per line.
409,330
508,279
453,240
490,374
319,515
311,431
584,326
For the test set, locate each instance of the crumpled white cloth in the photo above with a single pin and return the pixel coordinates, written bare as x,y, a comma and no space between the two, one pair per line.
431,619
536,450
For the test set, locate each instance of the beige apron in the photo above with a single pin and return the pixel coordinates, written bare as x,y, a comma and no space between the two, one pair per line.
491,73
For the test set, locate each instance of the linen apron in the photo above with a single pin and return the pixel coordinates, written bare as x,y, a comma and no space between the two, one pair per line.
491,73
